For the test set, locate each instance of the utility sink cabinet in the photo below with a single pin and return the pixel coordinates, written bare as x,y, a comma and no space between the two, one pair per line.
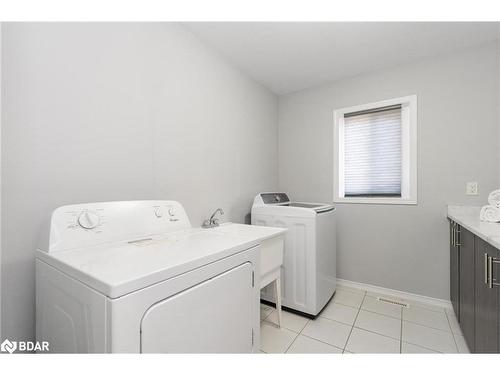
474,290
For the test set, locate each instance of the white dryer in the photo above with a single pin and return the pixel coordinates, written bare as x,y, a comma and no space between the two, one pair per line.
134,277
309,265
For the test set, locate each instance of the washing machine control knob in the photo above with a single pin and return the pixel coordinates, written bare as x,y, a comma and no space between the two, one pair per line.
88,219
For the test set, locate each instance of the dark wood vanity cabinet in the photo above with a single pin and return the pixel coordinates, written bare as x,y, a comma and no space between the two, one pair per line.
474,289
486,299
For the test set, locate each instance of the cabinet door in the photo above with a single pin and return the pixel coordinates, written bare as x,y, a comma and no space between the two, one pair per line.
496,279
454,271
466,286
486,300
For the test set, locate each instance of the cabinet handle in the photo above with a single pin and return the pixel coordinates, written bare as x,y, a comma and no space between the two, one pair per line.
457,240
492,280
486,268
490,269
451,233
453,225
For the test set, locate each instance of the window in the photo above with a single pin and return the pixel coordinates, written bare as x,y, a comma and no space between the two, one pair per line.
376,152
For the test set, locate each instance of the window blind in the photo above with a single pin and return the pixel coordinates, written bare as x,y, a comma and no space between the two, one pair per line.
373,152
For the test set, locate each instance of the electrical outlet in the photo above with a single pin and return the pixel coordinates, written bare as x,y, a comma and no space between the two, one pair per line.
471,188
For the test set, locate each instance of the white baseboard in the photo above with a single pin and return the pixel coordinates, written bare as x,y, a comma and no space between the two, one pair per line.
445,304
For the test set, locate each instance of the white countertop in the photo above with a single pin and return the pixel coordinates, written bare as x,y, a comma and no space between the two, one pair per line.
468,217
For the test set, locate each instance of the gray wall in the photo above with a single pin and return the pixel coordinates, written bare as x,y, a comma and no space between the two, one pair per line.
395,246
498,101
97,112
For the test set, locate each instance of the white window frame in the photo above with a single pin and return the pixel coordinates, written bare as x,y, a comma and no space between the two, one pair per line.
409,149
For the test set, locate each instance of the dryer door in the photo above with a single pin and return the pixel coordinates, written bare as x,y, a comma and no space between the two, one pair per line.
214,316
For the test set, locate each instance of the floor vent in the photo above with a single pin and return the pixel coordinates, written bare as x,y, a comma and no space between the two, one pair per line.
386,300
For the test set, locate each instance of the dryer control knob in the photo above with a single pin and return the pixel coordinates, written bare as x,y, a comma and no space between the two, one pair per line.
88,219
171,212
158,212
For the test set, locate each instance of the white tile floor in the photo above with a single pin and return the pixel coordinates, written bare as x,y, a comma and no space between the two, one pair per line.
356,322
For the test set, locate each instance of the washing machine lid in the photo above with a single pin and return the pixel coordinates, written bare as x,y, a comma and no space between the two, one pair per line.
318,207
279,203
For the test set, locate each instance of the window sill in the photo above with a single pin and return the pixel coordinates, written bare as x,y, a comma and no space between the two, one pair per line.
397,201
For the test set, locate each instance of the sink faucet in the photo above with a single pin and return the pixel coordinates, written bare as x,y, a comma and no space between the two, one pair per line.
212,222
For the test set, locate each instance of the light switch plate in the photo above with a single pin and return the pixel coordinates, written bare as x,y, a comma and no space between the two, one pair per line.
471,188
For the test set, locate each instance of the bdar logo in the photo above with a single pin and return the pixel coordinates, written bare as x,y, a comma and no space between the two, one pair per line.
8,346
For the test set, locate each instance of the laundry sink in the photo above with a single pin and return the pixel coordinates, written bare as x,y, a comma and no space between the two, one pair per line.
271,241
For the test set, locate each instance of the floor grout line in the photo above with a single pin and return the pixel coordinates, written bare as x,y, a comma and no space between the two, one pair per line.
426,326
321,341
458,323
271,324
379,313
289,346
274,325
454,340
421,346
298,334
350,332
375,312
376,333
335,320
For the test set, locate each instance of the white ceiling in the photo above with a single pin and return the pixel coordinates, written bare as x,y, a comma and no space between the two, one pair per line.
292,56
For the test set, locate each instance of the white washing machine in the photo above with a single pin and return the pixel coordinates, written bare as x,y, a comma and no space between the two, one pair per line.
134,277
309,262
